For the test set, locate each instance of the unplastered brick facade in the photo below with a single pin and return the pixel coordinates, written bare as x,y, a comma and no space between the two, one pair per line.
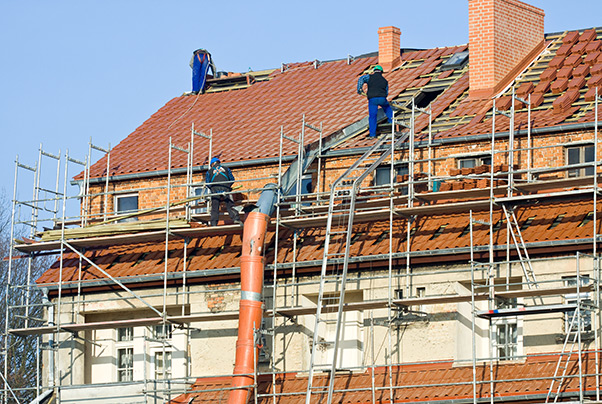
502,34
549,151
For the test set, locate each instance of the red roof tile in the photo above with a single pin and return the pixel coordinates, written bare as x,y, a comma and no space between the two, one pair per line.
578,48
581,71
593,46
559,85
223,251
573,60
557,62
577,83
428,382
591,58
571,37
327,95
588,35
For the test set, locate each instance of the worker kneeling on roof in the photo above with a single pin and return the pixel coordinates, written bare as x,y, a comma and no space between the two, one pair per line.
219,180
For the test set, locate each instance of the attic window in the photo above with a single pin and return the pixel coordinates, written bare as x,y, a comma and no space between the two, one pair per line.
527,223
588,218
427,96
556,221
457,61
438,232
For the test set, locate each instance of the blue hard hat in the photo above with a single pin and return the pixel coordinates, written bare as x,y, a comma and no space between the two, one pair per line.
215,160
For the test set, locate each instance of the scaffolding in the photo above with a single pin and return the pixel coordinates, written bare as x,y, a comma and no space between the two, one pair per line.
495,291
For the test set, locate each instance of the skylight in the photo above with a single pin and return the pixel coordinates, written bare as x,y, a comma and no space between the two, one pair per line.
457,61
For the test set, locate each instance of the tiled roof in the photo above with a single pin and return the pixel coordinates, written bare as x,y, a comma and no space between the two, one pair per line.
515,381
246,122
568,220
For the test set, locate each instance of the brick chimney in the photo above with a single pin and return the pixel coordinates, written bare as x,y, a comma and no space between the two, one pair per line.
389,41
504,37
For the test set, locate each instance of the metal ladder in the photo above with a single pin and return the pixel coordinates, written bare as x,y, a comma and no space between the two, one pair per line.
565,356
521,247
335,301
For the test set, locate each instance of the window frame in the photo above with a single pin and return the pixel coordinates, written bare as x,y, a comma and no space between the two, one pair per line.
584,297
400,168
157,331
124,345
159,373
126,212
508,347
479,160
582,171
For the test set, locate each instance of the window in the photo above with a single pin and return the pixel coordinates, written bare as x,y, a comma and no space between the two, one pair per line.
125,334
125,354
505,331
163,331
126,204
306,186
162,367
573,298
471,162
201,191
382,176
125,364
457,61
580,155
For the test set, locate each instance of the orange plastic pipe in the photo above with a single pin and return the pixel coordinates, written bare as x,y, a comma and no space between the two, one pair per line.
251,307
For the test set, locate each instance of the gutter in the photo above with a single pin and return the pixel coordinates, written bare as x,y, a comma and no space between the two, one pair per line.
354,127
207,273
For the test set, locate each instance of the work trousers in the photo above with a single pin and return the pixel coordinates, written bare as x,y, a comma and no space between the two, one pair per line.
373,104
216,200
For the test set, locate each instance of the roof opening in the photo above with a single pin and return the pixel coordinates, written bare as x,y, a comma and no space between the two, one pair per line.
356,236
556,221
465,231
141,258
382,236
438,232
457,61
427,96
527,223
588,218
498,225
217,253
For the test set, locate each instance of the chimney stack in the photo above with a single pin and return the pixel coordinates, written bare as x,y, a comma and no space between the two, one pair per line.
504,37
389,41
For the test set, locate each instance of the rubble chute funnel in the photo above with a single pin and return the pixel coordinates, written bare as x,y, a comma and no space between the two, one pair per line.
251,306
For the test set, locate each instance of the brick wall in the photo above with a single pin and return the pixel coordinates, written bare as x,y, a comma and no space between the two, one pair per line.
503,36
389,40
153,193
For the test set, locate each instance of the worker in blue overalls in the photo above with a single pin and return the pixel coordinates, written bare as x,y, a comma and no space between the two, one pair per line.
378,90
219,180
200,64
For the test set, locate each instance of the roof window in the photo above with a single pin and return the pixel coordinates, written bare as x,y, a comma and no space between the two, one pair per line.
457,61
427,96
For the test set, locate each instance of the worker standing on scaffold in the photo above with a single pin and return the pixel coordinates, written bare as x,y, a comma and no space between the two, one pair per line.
219,180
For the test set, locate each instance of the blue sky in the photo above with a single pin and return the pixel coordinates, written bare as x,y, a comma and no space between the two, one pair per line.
71,70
